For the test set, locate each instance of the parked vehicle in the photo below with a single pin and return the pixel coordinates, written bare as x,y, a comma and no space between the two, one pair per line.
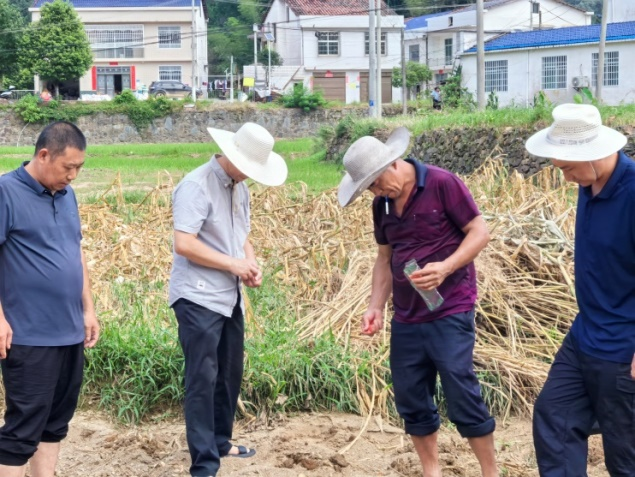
7,94
172,89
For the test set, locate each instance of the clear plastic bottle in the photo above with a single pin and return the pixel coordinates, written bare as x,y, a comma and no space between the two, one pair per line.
432,297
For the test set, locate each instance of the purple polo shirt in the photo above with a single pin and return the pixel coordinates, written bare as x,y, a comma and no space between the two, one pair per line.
429,230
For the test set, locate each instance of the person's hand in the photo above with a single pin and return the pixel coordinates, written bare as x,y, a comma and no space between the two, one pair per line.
431,276
246,269
6,336
254,282
91,329
633,367
372,321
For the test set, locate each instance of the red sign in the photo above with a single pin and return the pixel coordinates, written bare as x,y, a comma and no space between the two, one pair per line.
114,63
328,74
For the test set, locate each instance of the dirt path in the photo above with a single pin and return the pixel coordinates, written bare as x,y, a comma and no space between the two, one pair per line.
307,445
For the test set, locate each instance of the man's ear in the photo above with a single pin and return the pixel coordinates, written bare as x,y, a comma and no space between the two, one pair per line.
43,155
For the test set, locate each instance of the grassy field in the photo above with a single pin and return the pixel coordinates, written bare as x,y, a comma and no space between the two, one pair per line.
140,166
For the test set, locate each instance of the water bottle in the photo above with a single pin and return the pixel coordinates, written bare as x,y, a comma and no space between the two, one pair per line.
432,297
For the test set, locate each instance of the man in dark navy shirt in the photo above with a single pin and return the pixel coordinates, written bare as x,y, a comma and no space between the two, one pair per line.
592,378
47,316
427,214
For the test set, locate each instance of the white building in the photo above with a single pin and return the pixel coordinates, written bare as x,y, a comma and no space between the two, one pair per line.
439,39
558,62
620,11
137,42
324,45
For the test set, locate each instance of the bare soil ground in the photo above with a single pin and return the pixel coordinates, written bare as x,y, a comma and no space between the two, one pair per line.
306,445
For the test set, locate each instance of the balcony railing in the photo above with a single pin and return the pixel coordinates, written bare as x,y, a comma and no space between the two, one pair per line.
121,52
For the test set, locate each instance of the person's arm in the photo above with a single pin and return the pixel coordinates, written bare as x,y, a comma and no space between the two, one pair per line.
6,335
250,254
188,246
633,367
373,318
434,273
91,324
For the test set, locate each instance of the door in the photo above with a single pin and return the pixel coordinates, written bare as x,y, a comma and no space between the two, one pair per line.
386,87
333,87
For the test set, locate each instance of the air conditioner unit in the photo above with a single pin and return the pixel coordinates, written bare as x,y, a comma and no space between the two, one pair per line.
580,82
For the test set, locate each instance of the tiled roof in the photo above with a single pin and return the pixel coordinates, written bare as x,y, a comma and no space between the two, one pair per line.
122,3
422,21
496,3
559,36
334,7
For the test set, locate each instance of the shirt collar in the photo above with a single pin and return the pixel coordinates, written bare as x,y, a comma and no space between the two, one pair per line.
612,184
222,176
29,180
421,171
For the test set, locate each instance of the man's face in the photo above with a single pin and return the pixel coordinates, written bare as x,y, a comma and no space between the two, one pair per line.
61,170
389,184
581,173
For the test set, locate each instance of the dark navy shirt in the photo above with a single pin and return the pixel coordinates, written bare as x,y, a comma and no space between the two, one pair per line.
429,230
41,274
605,267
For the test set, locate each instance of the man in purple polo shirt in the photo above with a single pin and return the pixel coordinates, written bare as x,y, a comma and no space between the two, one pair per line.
424,213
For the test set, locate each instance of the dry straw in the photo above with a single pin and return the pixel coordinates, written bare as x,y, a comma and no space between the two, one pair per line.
324,256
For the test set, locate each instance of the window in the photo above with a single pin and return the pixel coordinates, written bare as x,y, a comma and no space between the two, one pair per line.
554,72
170,73
383,44
611,68
328,43
450,21
535,7
116,41
448,51
496,76
169,37
413,53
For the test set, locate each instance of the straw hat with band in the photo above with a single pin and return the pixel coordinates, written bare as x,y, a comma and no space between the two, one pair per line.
367,159
250,149
577,134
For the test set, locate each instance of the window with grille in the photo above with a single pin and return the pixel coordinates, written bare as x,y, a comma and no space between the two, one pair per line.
328,43
169,37
383,44
116,41
413,53
496,76
554,72
448,51
611,68
170,73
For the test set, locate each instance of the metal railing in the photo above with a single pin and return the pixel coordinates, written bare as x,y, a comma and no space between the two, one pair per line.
21,93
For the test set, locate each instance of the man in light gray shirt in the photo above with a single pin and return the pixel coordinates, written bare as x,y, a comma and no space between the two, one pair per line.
212,257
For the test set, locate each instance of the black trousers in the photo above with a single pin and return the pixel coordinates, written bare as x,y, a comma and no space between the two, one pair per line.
579,391
213,346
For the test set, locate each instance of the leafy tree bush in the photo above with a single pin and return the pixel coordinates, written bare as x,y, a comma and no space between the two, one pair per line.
492,100
125,97
416,74
304,98
454,95
56,47
11,24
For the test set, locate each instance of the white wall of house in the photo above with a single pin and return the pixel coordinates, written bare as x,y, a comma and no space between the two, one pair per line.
150,57
525,73
460,27
621,11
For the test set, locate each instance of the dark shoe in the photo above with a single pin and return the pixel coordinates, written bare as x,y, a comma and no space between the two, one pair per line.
243,452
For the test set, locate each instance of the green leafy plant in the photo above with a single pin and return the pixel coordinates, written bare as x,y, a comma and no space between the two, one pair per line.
303,98
416,74
585,96
492,100
542,107
454,95
126,97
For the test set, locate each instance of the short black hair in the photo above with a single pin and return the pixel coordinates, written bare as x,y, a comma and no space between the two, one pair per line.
57,136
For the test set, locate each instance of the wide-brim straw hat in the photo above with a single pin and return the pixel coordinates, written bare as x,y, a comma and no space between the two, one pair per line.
250,149
367,159
577,134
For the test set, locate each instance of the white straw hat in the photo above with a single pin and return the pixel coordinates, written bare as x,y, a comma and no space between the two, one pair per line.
577,134
367,159
250,149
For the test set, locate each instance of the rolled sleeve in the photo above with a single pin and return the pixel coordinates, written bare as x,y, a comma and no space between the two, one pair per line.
190,207
459,203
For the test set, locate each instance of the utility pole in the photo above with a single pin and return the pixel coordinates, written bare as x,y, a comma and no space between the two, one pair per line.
193,92
480,56
600,78
379,85
231,79
372,60
255,28
404,87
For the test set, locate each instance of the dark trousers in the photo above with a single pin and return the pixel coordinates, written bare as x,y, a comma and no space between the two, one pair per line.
579,390
420,351
213,346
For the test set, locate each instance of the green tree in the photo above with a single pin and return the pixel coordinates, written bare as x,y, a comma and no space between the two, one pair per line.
231,41
23,7
56,47
11,28
416,74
